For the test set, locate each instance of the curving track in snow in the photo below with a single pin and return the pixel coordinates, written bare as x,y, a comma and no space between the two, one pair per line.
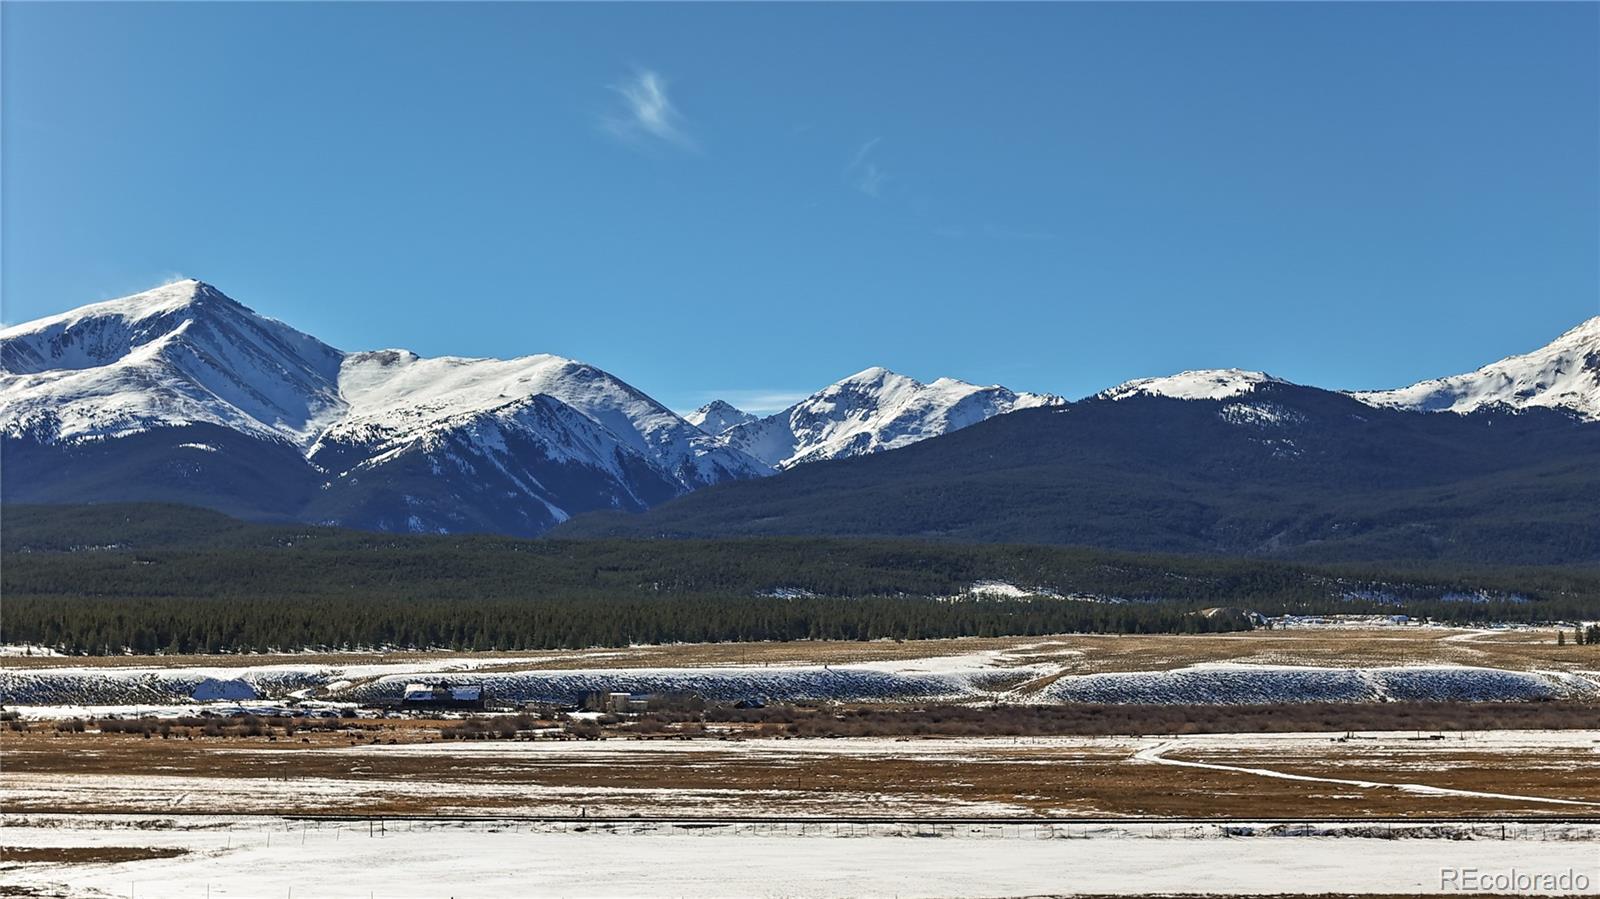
1157,755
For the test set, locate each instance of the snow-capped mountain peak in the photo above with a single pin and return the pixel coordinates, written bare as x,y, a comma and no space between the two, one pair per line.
871,411
395,394
1563,374
398,440
872,374
718,416
1204,384
101,333
183,353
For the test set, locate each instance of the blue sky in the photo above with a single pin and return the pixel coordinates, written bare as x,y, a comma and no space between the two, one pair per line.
752,201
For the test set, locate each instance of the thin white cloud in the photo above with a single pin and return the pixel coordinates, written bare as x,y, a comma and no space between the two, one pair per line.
862,152
870,181
758,402
864,173
647,112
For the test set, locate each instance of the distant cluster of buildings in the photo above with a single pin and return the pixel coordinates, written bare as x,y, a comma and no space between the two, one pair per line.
624,703
439,696
1284,622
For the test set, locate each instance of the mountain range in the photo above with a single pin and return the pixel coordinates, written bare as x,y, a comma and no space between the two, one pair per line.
181,394
1275,469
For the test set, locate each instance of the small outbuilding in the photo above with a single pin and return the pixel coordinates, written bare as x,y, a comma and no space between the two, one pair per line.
626,703
444,696
216,690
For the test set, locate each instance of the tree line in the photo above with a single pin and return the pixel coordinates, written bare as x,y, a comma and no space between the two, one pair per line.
149,578
98,625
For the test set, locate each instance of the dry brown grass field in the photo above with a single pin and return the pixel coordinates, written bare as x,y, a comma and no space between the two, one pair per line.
404,768
909,768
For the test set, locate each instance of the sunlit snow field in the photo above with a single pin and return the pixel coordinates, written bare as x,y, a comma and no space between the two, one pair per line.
1330,664
281,858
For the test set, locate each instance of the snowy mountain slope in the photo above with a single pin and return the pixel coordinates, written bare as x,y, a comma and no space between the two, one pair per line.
397,441
522,468
1245,399
394,394
718,416
1206,384
872,411
177,355
1564,374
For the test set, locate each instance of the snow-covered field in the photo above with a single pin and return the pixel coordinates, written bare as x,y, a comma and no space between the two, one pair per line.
711,848
26,650
256,857
125,686
1234,683
991,675
1302,745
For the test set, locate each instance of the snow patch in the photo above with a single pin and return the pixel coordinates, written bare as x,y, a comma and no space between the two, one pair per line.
786,593
1235,684
972,676
1207,384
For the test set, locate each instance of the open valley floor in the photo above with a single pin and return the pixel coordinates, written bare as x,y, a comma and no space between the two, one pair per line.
1342,758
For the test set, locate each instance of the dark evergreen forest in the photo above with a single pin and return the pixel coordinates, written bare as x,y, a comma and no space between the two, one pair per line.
102,579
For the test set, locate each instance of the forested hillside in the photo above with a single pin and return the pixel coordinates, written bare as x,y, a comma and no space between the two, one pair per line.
1280,471
152,577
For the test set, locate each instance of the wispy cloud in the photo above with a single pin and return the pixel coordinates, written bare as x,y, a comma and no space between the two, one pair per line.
125,286
646,113
863,152
864,172
759,402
